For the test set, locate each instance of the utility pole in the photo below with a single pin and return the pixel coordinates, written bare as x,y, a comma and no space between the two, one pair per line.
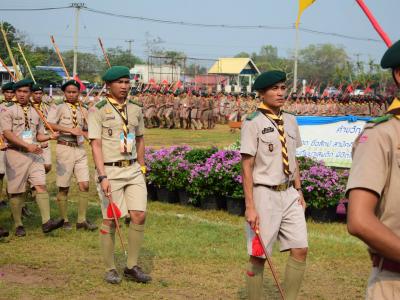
130,48
77,7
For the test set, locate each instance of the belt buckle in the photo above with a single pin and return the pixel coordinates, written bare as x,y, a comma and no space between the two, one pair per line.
125,163
282,187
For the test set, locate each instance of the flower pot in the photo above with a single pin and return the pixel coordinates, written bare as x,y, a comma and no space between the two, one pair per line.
151,192
183,197
210,202
235,206
165,195
221,203
326,214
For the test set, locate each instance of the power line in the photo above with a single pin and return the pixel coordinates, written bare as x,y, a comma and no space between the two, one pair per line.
203,25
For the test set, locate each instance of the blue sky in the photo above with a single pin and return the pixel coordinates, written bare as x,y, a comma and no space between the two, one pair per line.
339,16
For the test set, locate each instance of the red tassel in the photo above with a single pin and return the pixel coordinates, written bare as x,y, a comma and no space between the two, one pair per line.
116,210
256,247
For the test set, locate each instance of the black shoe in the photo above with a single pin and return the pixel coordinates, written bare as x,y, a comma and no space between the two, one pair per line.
112,277
51,225
127,221
136,274
3,233
67,226
26,212
3,204
20,231
86,226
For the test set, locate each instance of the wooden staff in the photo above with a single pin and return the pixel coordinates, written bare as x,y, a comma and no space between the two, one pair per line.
41,116
8,70
18,74
26,62
59,56
104,53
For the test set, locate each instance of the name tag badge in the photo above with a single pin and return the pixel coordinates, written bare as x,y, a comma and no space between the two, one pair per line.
27,136
80,139
129,142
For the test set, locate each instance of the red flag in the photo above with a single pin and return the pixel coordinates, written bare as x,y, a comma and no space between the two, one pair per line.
256,247
116,210
164,81
82,86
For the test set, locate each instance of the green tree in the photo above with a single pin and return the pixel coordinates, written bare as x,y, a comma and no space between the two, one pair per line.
46,77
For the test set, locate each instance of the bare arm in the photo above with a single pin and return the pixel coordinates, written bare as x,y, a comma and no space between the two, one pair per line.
15,140
140,150
297,185
247,178
99,164
362,223
73,131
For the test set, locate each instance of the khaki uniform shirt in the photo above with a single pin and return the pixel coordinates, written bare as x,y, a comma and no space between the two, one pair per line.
61,114
106,124
376,167
13,119
260,138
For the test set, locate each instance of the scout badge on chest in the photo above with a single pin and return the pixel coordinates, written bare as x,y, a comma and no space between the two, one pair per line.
271,147
110,132
267,130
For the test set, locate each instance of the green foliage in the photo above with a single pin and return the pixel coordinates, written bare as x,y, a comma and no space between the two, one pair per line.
46,77
195,156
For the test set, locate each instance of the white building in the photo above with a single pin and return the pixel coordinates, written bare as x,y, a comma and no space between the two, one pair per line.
159,73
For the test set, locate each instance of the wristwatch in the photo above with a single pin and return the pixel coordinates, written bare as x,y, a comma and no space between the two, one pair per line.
101,178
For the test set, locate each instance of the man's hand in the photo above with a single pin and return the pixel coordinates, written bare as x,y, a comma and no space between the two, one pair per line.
76,131
33,148
106,188
252,218
301,200
54,136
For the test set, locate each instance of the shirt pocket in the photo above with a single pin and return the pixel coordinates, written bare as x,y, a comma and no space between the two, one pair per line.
66,121
111,128
269,144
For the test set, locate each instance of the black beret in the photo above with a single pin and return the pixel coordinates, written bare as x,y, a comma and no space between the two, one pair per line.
71,82
9,86
22,83
268,79
391,58
37,87
116,72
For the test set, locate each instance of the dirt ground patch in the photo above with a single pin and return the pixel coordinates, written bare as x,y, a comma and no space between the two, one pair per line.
24,275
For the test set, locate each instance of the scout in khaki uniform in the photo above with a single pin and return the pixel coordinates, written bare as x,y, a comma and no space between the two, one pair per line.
373,189
116,130
37,95
69,119
271,182
23,130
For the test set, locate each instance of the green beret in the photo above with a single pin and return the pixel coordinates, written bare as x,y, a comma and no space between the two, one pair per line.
37,87
22,83
268,79
71,82
391,58
116,72
9,86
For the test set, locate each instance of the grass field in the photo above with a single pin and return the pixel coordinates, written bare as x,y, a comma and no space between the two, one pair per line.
191,254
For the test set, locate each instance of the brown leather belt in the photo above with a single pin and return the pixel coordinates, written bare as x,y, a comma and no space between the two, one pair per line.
280,187
69,144
385,264
121,163
16,148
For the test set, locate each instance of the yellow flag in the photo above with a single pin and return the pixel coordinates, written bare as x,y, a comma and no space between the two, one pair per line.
303,4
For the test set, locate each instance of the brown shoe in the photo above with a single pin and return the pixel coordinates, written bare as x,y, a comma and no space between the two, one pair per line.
51,225
86,226
20,231
136,274
67,226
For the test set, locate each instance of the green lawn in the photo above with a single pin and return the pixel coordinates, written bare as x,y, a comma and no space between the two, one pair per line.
191,254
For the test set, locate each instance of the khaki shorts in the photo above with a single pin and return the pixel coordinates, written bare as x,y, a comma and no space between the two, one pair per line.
2,162
383,284
281,217
71,161
47,155
22,168
128,190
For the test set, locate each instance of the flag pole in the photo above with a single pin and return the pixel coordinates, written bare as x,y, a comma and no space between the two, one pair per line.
296,59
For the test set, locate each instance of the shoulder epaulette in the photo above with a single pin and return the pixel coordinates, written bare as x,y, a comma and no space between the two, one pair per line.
9,104
101,103
136,103
59,101
288,112
381,119
252,115
85,105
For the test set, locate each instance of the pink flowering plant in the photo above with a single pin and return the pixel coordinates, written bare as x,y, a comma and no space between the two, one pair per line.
322,186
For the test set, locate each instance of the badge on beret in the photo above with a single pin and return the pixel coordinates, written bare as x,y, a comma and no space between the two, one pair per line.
110,132
267,130
271,147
